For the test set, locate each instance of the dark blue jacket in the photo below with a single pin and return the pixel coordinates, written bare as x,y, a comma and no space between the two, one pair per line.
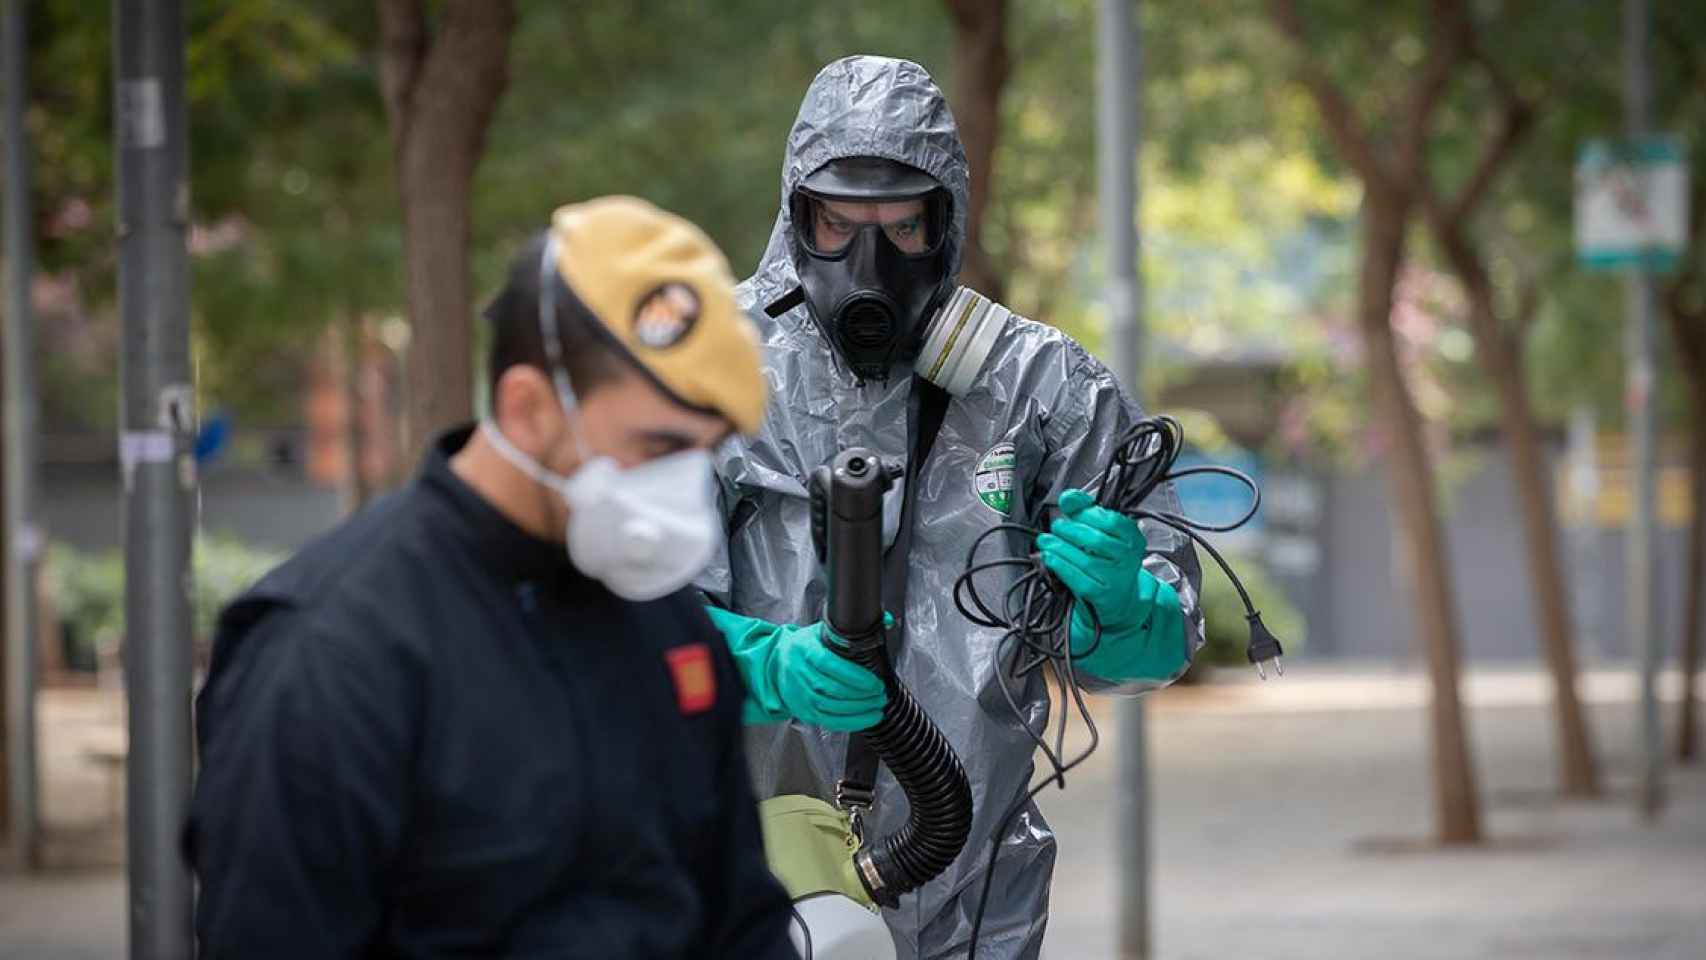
427,735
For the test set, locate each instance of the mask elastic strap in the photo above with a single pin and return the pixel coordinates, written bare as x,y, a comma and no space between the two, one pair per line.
551,336
548,332
519,460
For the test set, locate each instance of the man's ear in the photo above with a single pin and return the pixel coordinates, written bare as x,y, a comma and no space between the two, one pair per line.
525,408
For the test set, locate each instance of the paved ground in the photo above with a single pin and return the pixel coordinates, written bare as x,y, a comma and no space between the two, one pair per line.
1284,830
1290,821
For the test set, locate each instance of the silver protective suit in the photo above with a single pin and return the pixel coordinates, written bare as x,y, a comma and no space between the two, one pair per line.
1040,397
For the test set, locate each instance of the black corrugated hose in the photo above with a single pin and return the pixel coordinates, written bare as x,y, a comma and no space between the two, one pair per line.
929,773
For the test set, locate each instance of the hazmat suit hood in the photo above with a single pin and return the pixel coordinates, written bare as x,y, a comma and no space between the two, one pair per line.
1039,416
867,106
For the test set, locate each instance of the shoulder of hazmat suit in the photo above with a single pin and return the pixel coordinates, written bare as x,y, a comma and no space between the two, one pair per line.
1042,416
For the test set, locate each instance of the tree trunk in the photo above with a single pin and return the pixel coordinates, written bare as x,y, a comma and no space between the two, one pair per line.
440,93
981,66
1391,177
436,227
1409,471
5,685
1500,356
1687,732
1578,776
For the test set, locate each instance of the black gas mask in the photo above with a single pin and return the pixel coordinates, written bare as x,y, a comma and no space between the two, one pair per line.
870,247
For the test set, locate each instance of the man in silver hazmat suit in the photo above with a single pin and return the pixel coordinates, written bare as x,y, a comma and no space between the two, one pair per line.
857,306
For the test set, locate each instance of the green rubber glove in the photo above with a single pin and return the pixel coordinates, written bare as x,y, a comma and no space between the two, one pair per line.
1098,553
789,673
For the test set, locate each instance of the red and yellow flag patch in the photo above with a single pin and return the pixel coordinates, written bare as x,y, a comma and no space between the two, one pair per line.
695,677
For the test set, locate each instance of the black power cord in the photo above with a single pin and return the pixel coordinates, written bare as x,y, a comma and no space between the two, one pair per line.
805,930
1035,614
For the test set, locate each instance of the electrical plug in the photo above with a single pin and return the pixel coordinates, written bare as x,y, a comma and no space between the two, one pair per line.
1264,646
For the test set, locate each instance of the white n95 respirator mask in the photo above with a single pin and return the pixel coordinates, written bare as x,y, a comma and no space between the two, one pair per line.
644,531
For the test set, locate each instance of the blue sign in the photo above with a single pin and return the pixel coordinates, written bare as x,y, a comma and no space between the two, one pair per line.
210,440
1219,500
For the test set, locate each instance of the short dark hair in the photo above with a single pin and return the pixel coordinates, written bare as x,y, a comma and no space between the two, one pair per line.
588,353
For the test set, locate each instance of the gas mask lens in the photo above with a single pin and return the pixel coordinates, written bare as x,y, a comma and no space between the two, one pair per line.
827,227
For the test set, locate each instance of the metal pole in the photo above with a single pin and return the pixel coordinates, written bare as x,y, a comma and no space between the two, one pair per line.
25,536
1641,385
155,449
1586,543
1118,104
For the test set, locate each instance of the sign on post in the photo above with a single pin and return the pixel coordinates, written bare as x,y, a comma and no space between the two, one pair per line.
1632,204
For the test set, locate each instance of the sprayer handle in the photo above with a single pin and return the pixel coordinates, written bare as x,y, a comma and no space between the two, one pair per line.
855,482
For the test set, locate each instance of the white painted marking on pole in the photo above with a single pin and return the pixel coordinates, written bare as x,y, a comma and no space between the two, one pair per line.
142,114
142,446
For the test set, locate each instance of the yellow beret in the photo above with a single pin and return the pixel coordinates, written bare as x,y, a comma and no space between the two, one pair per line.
664,291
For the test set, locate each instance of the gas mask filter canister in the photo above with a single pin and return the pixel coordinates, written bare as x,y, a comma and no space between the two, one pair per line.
958,340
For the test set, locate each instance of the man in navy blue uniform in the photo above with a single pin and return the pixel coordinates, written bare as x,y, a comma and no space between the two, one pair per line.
483,718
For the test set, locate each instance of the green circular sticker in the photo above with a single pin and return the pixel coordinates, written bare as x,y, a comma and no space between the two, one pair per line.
994,479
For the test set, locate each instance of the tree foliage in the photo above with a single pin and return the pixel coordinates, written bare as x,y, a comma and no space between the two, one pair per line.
598,105
292,222
1248,212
